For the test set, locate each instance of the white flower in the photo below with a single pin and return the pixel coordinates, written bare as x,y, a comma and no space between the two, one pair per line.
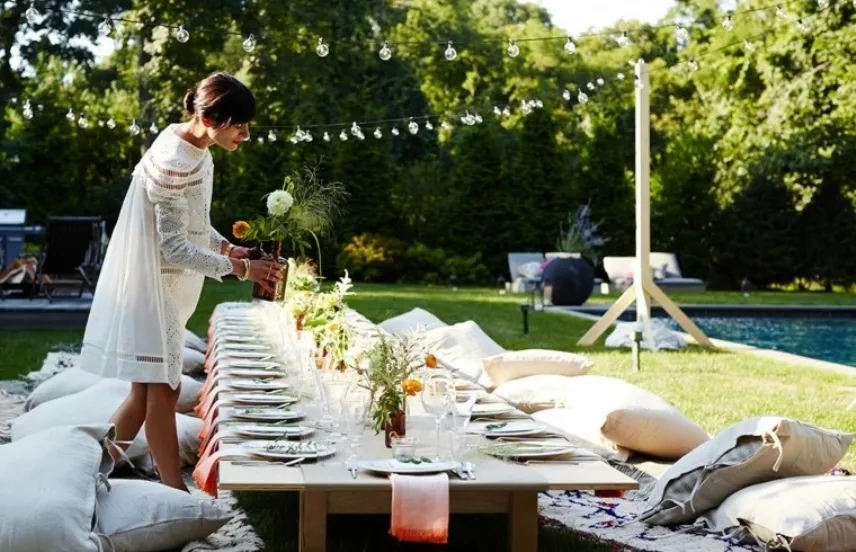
344,285
279,202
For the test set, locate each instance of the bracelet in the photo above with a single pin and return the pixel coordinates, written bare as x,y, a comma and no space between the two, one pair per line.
246,275
229,248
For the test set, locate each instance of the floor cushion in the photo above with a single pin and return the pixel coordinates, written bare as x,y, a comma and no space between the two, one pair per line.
461,348
193,341
512,365
412,320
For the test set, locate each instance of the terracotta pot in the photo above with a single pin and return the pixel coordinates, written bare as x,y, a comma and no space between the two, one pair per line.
278,293
299,322
395,425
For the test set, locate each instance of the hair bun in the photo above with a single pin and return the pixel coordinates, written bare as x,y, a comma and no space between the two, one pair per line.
189,101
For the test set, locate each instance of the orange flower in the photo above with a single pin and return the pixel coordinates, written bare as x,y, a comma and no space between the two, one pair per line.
411,386
341,366
240,228
430,361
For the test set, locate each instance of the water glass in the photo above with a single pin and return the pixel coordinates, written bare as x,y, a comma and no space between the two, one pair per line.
438,398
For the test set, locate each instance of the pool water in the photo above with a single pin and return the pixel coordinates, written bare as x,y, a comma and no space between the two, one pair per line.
829,339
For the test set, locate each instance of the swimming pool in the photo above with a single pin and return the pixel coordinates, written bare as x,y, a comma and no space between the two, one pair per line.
829,339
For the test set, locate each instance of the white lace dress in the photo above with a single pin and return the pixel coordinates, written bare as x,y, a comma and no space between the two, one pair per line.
162,248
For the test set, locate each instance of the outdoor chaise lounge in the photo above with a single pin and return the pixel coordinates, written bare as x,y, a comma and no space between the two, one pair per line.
665,268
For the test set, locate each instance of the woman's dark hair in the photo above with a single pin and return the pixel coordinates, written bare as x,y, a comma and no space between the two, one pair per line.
222,99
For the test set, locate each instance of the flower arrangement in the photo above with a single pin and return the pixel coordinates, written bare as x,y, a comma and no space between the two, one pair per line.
302,276
323,314
581,235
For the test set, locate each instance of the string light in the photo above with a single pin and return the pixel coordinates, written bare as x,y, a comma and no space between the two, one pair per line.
70,115
506,111
153,129
32,14
478,119
728,23
355,129
377,133
83,122
395,131
271,136
823,4
582,97
620,76
445,126
600,81
682,34
27,111
497,111
412,127
428,125
385,52
182,35
570,47
624,40
106,26
322,49
326,136
525,108
111,123
468,119
780,12
343,136
590,85
260,140
450,52
134,129
513,49
249,43
566,95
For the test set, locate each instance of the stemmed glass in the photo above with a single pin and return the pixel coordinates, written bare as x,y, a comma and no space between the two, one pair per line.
355,407
461,416
438,397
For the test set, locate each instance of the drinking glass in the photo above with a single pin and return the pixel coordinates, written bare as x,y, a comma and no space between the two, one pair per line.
438,398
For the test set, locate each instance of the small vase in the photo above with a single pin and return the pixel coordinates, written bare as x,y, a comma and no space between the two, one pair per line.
396,425
278,293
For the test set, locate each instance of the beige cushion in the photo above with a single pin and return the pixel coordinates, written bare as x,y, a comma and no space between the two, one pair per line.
193,341
799,513
514,365
412,320
533,393
749,452
193,362
47,489
618,418
461,348
141,516
74,380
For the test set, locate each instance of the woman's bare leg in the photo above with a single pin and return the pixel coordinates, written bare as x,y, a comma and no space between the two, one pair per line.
161,433
130,416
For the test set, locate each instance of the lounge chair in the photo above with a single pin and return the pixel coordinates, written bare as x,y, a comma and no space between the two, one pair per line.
667,273
71,255
519,282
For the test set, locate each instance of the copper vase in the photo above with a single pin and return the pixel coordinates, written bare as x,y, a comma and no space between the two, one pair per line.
396,425
278,292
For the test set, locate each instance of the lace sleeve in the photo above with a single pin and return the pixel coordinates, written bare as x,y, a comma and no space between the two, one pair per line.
217,240
171,215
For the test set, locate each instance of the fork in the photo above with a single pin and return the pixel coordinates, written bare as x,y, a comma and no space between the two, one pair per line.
265,463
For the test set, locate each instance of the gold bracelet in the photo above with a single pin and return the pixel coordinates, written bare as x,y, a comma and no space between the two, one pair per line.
229,248
246,275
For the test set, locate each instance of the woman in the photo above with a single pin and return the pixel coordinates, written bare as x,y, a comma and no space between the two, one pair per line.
162,248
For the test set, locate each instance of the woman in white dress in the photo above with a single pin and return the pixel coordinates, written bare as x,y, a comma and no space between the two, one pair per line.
161,250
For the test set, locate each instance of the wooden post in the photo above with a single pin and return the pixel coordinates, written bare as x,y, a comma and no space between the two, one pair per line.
643,288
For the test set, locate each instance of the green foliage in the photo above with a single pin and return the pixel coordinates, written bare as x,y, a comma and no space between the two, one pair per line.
371,258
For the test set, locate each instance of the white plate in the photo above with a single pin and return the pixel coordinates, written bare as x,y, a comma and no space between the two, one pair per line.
235,338
491,409
262,398
465,385
230,348
394,466
268,431
265,414
248,363
257,384
253,373
525,450
516,429
288,450
230,356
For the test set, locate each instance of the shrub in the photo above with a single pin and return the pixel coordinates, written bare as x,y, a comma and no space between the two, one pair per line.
371,258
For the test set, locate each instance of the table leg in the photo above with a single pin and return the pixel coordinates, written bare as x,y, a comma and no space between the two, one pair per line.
523,522
313,521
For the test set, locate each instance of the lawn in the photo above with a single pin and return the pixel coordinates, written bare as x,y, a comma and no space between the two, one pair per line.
713,388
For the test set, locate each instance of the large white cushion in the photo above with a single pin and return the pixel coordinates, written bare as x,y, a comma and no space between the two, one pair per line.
514,365
415,319
74,380
798,513
749,452
534,393
193,341
193,362
47,489
141,516
617,418
95,405
461,348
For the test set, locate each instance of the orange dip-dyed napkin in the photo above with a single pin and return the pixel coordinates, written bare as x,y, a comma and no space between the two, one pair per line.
420,508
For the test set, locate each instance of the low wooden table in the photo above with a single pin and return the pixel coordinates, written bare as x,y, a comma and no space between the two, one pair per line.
500,488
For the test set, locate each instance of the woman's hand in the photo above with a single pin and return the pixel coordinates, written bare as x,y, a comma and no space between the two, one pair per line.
239,252
265,273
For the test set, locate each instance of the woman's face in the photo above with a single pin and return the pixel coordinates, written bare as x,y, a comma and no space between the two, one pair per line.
229,137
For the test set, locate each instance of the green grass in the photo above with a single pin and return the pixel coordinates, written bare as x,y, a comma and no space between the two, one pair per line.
755,298
715,389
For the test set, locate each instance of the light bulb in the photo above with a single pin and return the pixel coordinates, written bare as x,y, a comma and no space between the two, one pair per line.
590,85
378,134
570,47
682,34
412,127
525,107
343,136
106,26
361,136
385,52
600,82
802,26
134,129
749,45
445,126
624,40
506,111
693,65
513,49
450,52
567,95
582,97
781,12
182,35
260,140
823,4
293,139
28,110
83,122
539,104
395,131
271,136
322,49
620,76
355,128
100,122
468,119
728,23
428,125
70,115
497,111
32,15
153,129
478,119
249,44
307,136
299,135
111,123
326,136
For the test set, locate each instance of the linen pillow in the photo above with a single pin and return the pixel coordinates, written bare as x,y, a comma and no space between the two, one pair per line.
409,321
749,452
533,393
620,418
142,516
799,513
193,341
74,380
461,348
193,362
514,365
47,485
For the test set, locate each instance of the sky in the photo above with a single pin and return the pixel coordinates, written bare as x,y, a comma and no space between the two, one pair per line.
577,16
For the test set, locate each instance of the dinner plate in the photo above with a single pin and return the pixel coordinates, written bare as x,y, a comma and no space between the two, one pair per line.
266,414
230,347
224,339
525,450
269,431
253,373
491,409
258,384
263,398
289,450
514,429
388,466
249,363
226,356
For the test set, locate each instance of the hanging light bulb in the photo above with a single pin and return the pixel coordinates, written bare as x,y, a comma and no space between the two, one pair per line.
590,86
395,131
781,12
823,4
513,49
538,103
624,40
600,82
682,34
32,14
293,139
378,134
28,110
428,125
620,76
343,136
749,45
567,95
260,140
728,23
271,136
412,127
497,111
582,97
82,121
106,26
111,123
322,49
249,43
506,111
525,107
70,115
802,26
445,126
385,52
134,129
182,35
153,129
478,119
361,136
307,136
355,128
100,122
326,136
450,52
570,47
298,135
693,65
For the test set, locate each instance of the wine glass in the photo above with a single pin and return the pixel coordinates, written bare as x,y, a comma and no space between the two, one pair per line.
438,398
461,415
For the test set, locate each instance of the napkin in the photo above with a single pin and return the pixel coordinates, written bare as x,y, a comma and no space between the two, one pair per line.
210,420
420,508
205,472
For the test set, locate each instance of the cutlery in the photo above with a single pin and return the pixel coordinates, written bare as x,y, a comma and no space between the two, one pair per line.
268,463
568,462
469,469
